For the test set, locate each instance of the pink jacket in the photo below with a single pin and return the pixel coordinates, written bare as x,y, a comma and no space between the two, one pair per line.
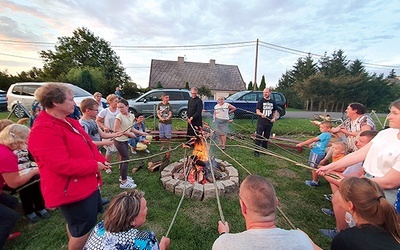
67,160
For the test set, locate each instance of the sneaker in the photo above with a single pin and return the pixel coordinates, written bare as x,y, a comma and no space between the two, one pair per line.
169,148
128,178
43,214
147,151
256,154
134,152
328,197
162,148
329,233
312,183
328,212
32,218
127,185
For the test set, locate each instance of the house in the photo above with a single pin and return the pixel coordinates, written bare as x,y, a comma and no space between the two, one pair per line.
219,78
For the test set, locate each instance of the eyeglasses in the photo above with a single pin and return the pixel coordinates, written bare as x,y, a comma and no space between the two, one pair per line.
94,109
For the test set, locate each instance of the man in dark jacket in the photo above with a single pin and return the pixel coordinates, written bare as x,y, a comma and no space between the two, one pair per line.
195,107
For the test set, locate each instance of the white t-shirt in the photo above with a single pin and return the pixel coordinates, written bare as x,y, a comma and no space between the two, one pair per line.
257,239
384,153
222,111
109,117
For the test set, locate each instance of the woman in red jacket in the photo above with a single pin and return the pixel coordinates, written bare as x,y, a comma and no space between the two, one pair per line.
69,163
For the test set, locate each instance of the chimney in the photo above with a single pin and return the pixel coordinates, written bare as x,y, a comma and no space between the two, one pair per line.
212,62
181,59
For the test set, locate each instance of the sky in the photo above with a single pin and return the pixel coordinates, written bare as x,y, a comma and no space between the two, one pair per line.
367,30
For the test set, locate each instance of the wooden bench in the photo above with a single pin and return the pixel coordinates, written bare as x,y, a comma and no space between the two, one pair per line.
177,134
286,143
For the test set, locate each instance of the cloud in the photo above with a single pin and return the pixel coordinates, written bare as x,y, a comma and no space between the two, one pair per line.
363,29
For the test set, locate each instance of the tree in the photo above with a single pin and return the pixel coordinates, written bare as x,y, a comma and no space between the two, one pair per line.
335,65
262,84
130,90
98,81
187,85
159,85
204,91
6,80
392,74
86,81
250,86
84,49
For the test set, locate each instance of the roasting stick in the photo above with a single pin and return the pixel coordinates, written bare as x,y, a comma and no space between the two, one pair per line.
183,193
268,152
279,209
221,214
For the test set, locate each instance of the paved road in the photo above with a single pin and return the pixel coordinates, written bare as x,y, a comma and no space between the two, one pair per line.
309,114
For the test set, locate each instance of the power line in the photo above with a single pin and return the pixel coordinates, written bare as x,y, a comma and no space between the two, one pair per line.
24,57
193,47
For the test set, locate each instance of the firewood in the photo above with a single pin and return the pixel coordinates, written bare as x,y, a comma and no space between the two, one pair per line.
153,166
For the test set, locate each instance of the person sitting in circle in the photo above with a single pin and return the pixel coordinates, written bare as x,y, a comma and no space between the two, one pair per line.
120,228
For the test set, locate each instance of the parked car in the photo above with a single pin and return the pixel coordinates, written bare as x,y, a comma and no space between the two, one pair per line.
3,100
247,101
146,103
23,92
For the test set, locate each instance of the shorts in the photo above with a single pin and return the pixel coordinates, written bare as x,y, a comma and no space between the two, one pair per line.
81,216
165,130
111,149
315,159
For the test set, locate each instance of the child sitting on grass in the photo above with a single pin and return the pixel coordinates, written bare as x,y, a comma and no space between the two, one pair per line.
318,145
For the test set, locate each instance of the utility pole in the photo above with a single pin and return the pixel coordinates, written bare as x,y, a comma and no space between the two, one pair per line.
255,68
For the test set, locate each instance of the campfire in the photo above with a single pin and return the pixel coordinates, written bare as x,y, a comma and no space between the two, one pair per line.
200,164
193,174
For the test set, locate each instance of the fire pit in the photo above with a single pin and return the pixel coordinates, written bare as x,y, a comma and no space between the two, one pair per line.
197,168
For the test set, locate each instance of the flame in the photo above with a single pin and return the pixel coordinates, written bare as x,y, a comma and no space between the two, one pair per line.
201,149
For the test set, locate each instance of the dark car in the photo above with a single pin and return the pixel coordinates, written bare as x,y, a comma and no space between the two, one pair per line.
3,100
246,102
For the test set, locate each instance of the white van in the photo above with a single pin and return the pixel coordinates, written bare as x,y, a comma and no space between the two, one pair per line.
22,92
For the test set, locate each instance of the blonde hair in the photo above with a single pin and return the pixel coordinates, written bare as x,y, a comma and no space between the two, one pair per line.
341,144
327,124
122,211
14,136
4,123
111,97
370,204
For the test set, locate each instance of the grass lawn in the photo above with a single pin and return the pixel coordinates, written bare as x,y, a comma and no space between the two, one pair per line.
196,223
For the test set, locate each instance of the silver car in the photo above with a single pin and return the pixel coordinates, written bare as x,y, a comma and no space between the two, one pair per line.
146,103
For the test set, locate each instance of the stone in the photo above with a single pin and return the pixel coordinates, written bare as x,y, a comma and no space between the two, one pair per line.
209,191
165,180
197,193
181,186
171,184
165,173
235,180
232,171
229,186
